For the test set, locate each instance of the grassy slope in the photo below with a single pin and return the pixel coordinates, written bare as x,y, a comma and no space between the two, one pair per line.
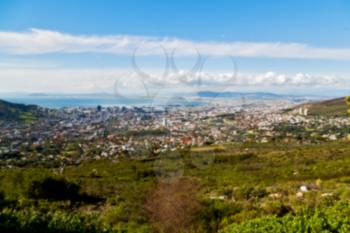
17,112
334,107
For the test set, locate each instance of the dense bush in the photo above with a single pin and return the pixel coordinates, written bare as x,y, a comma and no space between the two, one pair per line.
214,213
328,219
248,192
35,221
51,222
2,199
53,189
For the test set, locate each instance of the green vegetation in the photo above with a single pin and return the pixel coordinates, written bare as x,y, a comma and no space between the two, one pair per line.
325,219
227,188
347,100
18,112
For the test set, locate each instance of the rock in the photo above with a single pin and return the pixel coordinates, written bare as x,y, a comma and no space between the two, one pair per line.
300,194
214,197
304,188
275,195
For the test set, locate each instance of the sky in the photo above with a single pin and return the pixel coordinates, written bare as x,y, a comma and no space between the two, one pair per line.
86,46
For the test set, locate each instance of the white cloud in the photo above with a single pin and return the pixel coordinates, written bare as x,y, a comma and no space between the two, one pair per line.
58,80
265,79
106,80
299,79
37,41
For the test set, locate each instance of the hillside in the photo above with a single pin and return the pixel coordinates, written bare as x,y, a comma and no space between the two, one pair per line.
18,112
330,108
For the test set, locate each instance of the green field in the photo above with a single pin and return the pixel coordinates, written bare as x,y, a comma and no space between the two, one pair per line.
228,188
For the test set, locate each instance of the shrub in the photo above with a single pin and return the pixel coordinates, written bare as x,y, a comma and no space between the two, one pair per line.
276,208
329,219
52,222
2,199
215,212
248,192
115,214
173,207
53,189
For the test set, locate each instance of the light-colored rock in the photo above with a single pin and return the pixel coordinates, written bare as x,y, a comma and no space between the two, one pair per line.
300,194
304,188
275,195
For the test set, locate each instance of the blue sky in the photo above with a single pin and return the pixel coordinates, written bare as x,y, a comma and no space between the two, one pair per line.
280,46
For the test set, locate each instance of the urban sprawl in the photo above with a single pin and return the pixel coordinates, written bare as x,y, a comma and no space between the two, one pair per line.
72,135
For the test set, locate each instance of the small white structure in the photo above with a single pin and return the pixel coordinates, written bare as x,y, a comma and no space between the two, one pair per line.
304,189
326,194
165,122
303,111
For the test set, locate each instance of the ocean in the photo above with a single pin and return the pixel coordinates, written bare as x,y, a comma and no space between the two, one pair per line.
60,102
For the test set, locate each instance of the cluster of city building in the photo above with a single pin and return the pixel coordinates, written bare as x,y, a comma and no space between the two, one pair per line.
70,135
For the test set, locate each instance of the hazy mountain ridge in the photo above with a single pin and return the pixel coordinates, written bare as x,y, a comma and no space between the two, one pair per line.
256,95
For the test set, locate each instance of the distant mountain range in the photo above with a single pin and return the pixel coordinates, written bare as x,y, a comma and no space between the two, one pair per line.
18,112
203,94
212,94
256,95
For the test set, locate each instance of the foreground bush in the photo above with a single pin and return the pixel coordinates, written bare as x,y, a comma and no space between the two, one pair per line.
331,219
52,222
53,188
2,199
33,221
